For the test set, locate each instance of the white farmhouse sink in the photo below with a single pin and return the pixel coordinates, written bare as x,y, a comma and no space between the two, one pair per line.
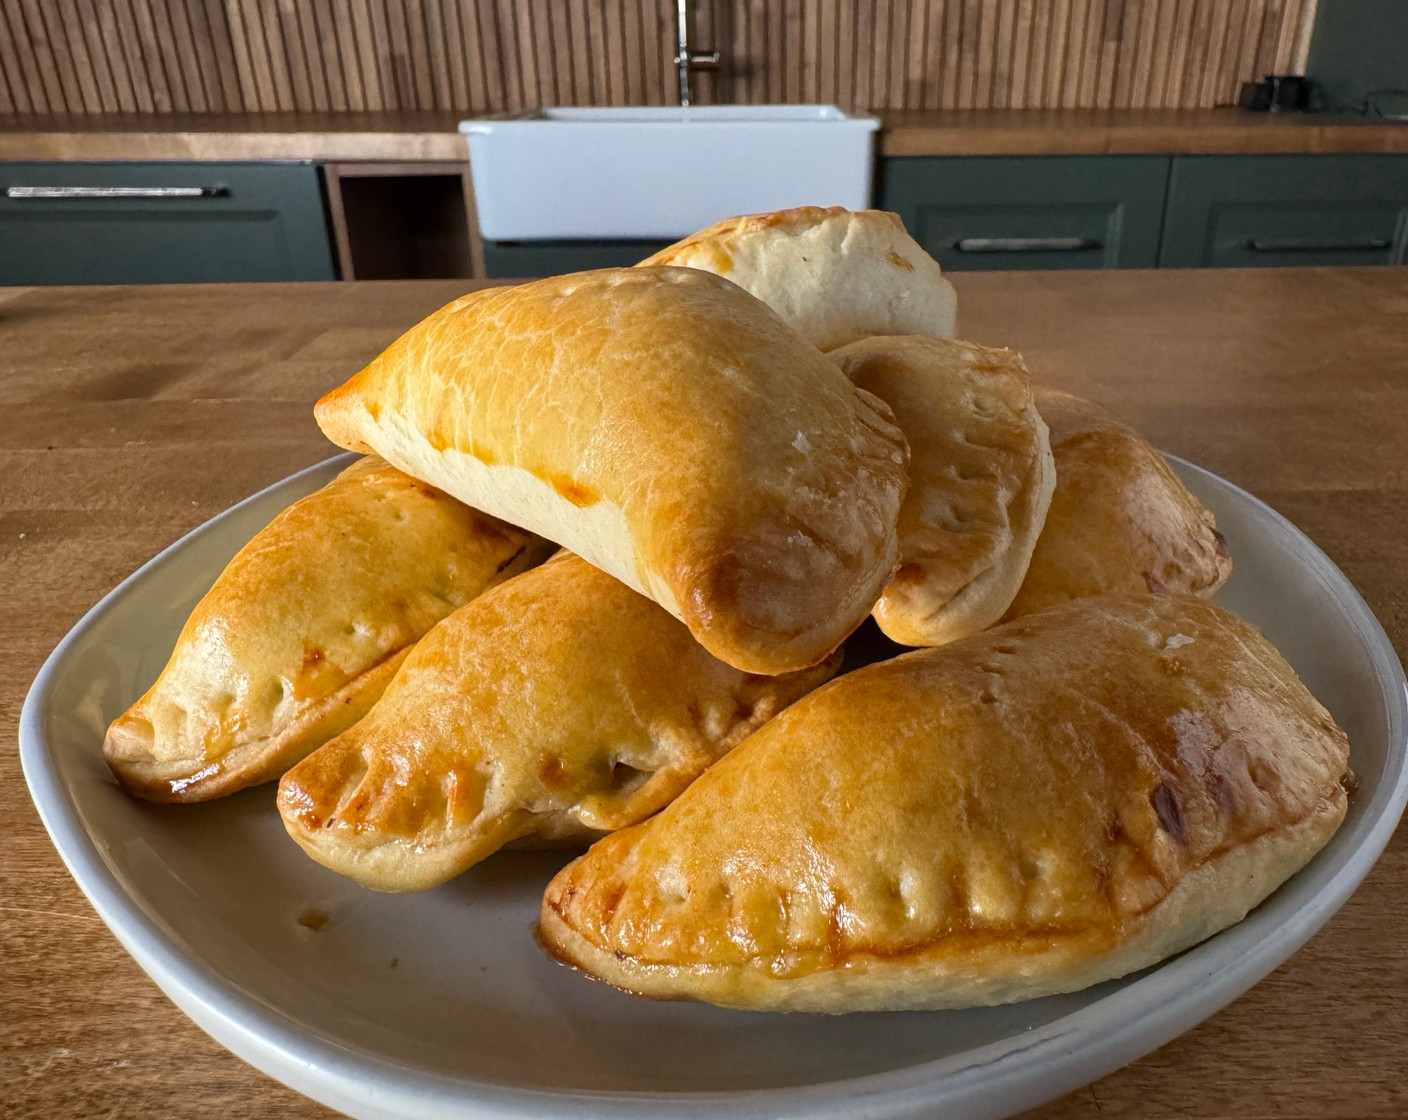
662,172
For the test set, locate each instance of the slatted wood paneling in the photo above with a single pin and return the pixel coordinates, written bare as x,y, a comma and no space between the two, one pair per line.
157,56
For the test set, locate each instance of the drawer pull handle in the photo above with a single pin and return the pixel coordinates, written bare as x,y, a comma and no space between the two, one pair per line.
113,192
1296,245
1025,244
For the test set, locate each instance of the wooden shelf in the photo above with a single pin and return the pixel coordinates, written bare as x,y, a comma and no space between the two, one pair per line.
403,221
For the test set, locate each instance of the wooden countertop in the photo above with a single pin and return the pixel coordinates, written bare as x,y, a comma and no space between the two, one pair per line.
321,137
1083,132
432,136
134,414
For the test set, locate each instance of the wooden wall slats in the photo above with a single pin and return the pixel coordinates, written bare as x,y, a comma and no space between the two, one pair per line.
632,87
184,54
82,86
285,30
261,56
320,38
1039,31
583,55
46,81
917,40
944,38
14,98
1004,55
26,73
613,38
505,79
531,42
290,78
556,58
64,74
456,61
467,64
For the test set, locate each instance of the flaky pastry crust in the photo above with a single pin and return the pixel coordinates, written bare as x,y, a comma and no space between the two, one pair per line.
303,629
1058,801
834,275
1120,522
558,706
667,427
981,477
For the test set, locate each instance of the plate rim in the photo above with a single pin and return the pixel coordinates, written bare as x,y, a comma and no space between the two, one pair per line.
367,1084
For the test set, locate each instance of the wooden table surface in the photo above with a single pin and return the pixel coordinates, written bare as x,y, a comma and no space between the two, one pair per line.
132,415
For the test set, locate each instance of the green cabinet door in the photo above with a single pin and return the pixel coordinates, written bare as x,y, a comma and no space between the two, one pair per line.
1031,212
522,259
1250,211
135,223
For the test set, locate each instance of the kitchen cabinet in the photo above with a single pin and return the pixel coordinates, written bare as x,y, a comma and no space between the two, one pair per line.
1249,211
1031,212
181,222
129,223
520,259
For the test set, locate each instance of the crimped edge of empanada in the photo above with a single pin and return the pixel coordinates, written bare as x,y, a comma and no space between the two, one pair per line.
246,764
402,863
1207,900
983,601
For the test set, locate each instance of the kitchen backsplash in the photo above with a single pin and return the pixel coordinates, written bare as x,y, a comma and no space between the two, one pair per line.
199,56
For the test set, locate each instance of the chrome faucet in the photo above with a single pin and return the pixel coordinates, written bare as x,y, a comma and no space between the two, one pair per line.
686,60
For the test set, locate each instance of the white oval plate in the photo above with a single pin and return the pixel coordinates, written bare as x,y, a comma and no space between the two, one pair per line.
441,1005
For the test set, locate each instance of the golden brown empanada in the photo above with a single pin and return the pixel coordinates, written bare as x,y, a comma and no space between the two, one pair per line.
1061,800
1120,520
667,427
303,629
833,275
559,705
981,477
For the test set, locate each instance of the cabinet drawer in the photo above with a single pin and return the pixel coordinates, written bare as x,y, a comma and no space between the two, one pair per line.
526,259
133,223
1037,212
1259,211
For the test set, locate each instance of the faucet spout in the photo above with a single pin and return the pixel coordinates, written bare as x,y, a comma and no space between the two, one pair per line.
687,61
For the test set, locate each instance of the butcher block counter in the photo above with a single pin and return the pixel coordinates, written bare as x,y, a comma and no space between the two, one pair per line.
411,136
132,415
432,135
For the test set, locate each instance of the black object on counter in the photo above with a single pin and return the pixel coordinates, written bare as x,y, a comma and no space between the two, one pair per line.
1276,93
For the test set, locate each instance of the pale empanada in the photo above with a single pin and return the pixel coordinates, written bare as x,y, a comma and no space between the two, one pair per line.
1120,521
557,706
834,275
667,427
981,477
303,629
1061,800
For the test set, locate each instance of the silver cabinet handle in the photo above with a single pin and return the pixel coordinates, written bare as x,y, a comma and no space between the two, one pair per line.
1025,244
1298,245
113,192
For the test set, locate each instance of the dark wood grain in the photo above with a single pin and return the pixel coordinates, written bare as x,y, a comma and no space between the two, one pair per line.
134,414
226,56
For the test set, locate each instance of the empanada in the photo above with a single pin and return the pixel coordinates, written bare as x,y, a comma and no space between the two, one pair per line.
834,275
559,705
303,629
1120,520
667,427
981,477
1059,801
